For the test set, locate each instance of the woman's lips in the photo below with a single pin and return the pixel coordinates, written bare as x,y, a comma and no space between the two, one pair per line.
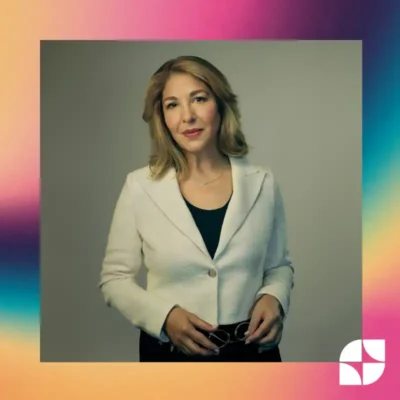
192,133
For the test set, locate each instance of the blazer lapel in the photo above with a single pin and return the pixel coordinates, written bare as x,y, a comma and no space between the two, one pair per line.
167,196
247,181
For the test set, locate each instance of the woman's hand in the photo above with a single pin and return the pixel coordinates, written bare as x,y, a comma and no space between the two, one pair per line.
266,323
180,327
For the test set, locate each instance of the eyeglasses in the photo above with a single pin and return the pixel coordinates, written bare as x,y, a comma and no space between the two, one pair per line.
222,338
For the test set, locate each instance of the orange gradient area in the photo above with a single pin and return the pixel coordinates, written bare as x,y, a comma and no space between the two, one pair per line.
23,377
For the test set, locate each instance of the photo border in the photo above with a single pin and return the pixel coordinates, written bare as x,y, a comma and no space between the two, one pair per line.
22,376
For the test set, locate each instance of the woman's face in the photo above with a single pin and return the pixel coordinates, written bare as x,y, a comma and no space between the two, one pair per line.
191,113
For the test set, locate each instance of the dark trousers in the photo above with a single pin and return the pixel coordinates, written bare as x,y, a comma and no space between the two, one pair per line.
151,350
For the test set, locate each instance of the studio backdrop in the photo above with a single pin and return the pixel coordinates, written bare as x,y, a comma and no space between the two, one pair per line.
301,115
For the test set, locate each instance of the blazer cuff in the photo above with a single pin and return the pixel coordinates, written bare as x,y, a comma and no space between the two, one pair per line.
141,308
155,324
163,333
278,294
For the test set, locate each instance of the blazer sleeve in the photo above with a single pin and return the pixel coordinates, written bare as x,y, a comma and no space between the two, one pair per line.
123,260
278,278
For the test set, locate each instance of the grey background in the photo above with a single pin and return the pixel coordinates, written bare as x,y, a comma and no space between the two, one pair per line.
301,107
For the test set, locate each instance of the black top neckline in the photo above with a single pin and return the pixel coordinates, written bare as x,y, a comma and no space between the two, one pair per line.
206,210
209,224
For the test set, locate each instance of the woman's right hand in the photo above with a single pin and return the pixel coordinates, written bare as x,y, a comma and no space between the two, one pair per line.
180,327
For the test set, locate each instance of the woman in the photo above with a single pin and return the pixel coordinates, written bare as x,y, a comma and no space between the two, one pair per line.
208,225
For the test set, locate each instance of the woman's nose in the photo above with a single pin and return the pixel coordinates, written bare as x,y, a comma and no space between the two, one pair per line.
188,114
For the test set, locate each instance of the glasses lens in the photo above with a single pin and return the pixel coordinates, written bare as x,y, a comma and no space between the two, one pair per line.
241,330
219,338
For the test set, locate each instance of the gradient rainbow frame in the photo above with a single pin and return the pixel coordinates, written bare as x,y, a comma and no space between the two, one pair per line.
22,376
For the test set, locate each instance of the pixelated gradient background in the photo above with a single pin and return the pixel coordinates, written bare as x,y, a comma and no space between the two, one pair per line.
24,24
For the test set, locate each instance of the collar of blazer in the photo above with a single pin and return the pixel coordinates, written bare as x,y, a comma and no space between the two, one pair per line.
165,193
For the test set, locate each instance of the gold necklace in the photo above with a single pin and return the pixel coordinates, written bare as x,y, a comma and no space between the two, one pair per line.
210,181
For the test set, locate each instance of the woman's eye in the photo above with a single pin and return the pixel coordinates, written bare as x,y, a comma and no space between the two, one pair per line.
200,99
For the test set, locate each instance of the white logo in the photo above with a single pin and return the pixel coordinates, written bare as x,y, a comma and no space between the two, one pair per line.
352,353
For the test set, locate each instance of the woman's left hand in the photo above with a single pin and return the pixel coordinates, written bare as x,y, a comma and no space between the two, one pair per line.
266,323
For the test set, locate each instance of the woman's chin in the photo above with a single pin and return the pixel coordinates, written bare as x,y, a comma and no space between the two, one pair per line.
194,147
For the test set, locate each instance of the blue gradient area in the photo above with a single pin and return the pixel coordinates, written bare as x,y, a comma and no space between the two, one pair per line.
381,108
20,296
19,275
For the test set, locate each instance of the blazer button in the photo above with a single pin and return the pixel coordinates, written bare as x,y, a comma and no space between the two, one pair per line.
212,273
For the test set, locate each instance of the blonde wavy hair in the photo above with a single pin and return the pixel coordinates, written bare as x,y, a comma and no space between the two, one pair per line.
165,151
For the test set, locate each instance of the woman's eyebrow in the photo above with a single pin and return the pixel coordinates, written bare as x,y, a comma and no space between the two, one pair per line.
191,94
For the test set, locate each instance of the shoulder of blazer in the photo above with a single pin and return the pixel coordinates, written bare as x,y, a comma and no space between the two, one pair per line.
246,167
270,178
249,167
139,174
143,177
136,176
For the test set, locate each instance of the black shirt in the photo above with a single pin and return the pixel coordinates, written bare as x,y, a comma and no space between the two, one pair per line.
209,223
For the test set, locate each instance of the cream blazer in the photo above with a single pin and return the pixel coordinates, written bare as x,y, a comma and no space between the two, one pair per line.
152,227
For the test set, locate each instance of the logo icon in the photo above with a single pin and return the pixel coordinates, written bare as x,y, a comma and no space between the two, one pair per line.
353,353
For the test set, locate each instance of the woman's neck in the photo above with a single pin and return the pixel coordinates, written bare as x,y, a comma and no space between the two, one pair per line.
205,165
